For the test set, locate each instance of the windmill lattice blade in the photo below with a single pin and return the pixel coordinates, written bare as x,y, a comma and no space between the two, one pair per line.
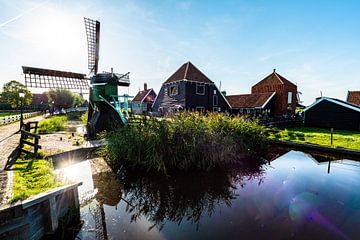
93,39
46,78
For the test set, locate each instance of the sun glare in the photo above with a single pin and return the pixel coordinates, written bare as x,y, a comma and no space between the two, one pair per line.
57,37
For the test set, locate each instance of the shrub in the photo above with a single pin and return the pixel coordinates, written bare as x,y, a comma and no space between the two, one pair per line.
52,124
188,141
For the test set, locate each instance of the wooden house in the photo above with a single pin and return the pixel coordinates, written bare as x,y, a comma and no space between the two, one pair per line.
273,95
332,113
143,101
189,89
353,97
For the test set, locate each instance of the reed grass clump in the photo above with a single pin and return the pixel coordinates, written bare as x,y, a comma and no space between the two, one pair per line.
189,141
52,124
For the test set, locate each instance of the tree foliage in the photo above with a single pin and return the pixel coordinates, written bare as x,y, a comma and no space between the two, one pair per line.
62,98
10,94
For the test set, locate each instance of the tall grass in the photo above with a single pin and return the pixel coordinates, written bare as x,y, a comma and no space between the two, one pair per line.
188,141
32,176
52,124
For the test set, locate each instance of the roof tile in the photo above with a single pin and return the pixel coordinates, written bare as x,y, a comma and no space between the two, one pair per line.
354,97
255,100
189,72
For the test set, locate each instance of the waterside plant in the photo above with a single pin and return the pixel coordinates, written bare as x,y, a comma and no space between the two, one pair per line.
188,141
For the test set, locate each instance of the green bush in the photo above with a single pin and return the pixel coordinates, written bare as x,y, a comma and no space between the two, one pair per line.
188,141
52,124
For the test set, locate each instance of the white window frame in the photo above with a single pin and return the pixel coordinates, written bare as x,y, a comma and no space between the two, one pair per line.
217,100
289,98
200,85
175,87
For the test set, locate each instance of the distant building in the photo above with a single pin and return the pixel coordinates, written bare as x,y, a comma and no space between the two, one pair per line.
353,97
332,113
143,101
189,89
274,95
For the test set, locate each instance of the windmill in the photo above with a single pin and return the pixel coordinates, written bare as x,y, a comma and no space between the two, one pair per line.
106,108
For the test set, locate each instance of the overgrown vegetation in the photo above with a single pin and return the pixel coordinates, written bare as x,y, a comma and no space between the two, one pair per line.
62,98
32,176
188,141
341,138
52,124
84,118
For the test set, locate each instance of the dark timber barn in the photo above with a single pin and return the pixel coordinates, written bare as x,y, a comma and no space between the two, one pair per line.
189,89
332,113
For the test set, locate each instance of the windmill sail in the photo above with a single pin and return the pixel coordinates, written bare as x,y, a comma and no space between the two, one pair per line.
47,78
93,39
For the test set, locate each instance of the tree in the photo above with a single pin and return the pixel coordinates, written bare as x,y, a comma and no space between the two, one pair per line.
10,94
78,99
60,98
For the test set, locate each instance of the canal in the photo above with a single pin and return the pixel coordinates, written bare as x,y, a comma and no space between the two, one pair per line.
295,195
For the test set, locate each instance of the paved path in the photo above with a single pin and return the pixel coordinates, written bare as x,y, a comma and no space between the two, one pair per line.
8,142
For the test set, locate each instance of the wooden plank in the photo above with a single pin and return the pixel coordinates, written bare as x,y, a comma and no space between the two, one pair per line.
35,135
31,144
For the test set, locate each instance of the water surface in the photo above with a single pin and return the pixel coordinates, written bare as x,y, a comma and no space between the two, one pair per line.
294,196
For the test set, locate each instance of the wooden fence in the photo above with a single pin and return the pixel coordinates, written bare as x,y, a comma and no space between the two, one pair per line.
15,118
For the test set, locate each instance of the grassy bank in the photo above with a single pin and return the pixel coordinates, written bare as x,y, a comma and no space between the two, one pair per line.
341,138
185,142
32,176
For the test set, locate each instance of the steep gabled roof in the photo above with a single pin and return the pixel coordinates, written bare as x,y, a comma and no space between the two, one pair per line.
189,72
142,95
336,101
255,100
274,79
353,97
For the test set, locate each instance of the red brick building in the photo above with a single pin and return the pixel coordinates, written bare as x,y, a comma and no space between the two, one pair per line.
274,94
353,97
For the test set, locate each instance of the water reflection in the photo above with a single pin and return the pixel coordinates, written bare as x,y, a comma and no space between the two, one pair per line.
293,196
183,197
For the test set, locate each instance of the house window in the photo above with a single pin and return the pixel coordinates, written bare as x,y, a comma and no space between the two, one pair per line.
215,100
215,92
289,97
200,109
174,90
200,89
216,109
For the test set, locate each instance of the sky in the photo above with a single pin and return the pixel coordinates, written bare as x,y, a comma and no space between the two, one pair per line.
314,44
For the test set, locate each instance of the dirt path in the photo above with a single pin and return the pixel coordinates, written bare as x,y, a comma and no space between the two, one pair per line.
9,140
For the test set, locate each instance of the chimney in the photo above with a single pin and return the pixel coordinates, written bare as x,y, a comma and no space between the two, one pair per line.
145,86
274,70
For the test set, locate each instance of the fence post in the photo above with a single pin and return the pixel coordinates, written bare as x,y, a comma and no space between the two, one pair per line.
331,139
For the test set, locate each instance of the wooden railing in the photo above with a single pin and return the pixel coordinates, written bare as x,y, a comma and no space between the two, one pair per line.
15,118
27,136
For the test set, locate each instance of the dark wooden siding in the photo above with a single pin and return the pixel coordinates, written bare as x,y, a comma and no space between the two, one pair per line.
188,98
165,101
194,100
326,114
